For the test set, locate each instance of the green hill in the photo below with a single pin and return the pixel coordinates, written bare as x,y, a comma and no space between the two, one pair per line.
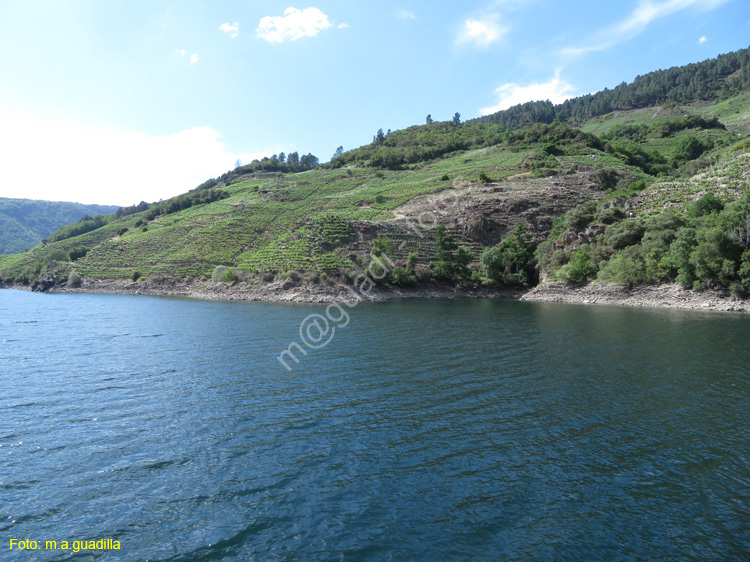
24,223
710,80
644,194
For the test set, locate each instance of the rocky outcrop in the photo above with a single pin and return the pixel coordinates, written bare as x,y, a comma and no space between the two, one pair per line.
656,296
45,284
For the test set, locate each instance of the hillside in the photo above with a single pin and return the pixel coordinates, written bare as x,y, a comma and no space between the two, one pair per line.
24,223
632,196
710,80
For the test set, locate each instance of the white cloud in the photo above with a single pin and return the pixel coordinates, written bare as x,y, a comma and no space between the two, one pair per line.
556,90
483,31
702,40
343,25
293,25
59,160
183,53
646,12
232,29
406,15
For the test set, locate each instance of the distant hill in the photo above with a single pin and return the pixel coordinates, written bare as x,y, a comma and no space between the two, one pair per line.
24,223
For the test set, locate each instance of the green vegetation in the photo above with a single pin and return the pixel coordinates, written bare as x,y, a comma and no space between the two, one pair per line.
705,246
613,191
24,222
451,261
714,79
512,261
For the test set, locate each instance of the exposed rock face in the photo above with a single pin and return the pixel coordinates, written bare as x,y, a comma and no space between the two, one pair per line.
45,283
480,227
594,230
481,215
656,296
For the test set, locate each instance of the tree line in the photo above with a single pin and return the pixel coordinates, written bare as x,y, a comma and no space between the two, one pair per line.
712,79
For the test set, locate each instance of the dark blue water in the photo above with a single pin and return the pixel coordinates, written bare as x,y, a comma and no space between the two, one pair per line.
431,430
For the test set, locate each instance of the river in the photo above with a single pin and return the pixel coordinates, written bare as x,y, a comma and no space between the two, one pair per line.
424,430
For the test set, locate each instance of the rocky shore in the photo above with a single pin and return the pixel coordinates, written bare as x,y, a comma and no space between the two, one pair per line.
658,296
280,291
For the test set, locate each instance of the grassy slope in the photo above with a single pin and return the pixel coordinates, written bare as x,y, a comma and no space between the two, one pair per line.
304,221
286,223
726,177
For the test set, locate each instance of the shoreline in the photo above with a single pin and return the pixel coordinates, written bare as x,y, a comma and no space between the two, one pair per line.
651,296
282,292
656,296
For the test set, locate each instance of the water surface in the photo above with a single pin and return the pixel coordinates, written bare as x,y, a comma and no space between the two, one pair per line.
426,430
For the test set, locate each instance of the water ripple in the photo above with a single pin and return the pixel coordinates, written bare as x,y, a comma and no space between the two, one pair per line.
447,430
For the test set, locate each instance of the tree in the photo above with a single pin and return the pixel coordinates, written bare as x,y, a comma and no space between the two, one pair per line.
457,118
451,262
706,205
238,163
690,147
513,260
381,246
309,161
411,262
607,178
282,157
429,119
292,159
339,152
379,137
579,268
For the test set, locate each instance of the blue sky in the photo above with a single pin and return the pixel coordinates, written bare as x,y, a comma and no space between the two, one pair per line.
110,101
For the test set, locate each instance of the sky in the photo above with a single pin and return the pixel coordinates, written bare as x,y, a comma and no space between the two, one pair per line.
122,101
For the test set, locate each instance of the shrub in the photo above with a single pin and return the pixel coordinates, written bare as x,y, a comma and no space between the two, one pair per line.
607,178
224,274
579,268
74,280
581,216
400,276
484,178
56,255
609,216
690,147
122,231
78,253
136,275
706,205
379,199
512,261
382,246
624,233
445,178
627,267
411,261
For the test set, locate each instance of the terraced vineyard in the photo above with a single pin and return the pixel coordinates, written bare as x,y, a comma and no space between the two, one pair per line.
317,220
324,221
